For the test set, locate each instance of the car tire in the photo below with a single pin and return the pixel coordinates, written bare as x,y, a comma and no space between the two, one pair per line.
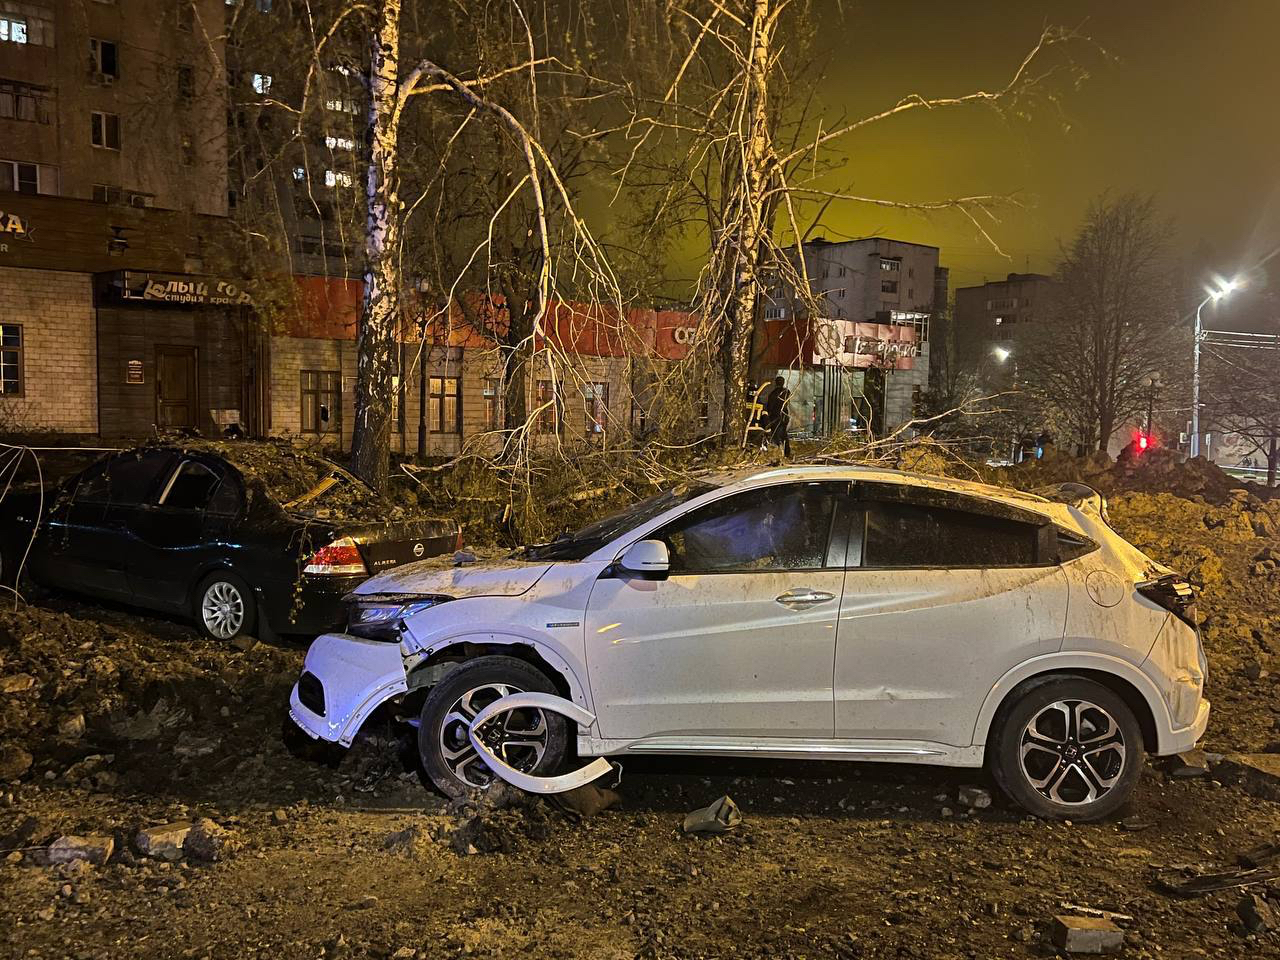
225,608
1068,749
536,741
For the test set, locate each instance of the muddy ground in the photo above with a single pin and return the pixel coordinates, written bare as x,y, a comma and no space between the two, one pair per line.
111,721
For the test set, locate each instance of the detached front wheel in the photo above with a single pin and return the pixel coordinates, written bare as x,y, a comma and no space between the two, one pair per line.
531,740
1069,749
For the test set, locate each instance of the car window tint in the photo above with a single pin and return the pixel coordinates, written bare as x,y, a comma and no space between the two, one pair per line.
902,535
126,478
191,487
226,499
776,528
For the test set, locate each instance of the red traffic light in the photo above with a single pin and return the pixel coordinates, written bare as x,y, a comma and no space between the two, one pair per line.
1143,441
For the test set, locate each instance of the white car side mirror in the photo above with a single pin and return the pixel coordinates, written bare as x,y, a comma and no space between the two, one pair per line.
647,558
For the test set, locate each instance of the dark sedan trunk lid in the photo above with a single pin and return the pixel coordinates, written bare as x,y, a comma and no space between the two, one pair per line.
388,545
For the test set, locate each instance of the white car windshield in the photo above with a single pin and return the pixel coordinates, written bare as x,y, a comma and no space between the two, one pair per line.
578,545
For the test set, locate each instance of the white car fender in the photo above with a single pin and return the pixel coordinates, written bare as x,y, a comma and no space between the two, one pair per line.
594,770
1064,662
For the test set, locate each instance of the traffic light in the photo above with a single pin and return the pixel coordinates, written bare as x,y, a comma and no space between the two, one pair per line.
1144,441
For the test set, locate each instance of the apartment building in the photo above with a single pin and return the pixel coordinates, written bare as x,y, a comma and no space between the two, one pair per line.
865,357
991,319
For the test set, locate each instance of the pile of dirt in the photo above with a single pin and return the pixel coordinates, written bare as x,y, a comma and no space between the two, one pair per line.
73,685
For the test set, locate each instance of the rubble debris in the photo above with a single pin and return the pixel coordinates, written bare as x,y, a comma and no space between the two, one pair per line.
587,800
67,848
1206,883
17,683
719,817
1258,773
163,842
975,798
1257,914
1192,763
413,841
1094,912
1260,855
1086,934
209,842
14,761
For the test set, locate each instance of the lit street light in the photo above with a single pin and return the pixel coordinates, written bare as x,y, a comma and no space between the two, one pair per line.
1214,295
1002,353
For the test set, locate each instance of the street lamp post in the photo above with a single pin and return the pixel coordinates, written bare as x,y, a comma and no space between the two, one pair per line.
1214,296
1152,383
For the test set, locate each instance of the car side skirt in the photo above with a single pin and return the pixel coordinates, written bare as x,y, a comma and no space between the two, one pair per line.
790,748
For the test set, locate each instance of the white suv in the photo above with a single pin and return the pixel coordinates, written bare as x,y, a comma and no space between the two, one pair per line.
826,612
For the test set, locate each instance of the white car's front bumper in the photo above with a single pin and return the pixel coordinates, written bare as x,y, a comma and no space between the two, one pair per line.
354,676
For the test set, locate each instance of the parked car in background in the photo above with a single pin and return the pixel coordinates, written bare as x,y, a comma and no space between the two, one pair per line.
810,612
243,537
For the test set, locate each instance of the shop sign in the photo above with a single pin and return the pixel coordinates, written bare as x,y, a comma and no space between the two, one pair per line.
885,345
170,288
12,225
133,372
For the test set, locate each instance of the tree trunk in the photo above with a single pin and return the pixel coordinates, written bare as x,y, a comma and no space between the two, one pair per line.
750,230
380,310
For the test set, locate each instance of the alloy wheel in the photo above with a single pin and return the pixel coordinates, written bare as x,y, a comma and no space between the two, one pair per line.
222,610
519,737
1072,752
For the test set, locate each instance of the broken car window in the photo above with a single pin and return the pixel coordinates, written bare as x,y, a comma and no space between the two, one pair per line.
902,535
190,488
593,536
125,478
776,528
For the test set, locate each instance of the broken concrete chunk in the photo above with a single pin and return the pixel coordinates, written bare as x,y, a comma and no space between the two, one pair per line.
1193,763
163,842
14,761
976,798
209,842
17,683
97,850
1258,773
587,800
1086,935
719,817
1257,915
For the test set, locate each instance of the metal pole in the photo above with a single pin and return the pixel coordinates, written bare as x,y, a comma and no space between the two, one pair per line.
1151,399
1195,385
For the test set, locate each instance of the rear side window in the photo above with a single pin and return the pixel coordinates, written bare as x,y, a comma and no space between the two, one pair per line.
126,478
903,535
776,528
191,487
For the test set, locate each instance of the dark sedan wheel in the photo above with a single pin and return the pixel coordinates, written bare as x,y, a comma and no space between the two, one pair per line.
224,607
531,740
1070,749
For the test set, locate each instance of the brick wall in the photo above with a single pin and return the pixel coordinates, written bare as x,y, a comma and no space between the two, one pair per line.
291,355
55,309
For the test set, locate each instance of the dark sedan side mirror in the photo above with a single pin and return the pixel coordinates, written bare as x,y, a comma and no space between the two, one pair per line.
648,559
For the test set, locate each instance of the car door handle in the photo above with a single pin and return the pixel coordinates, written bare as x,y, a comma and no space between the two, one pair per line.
805,597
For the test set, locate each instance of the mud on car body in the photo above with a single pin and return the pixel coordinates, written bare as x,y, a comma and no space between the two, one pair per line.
966,625
182,528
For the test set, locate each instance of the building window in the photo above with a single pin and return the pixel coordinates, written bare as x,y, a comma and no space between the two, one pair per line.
321,401
11,359
264,6
339,143
888,286
103,61
104,193
838,293
262,83
704,414
775,313
597,407
106,130
186,82
24,101
444,412
492,404
28,177
187,148
13,29
337,178
341,106
547,403
890,266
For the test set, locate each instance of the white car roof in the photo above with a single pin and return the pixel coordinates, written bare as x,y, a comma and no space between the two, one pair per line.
751,477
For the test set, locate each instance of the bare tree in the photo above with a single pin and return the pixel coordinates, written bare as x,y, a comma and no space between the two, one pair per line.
1113,323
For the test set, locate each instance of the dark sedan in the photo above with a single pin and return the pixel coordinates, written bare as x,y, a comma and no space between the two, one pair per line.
244,538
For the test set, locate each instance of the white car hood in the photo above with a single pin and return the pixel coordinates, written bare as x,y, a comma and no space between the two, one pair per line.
506,578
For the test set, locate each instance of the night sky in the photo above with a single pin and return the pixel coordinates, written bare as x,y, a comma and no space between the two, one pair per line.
1184,106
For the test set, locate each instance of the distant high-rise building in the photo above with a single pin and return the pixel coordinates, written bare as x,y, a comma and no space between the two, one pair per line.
992,320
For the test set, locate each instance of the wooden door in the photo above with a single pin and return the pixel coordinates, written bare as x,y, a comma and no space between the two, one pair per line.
176,391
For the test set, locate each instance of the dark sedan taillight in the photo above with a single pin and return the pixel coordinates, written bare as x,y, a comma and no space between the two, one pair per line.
340,558
1173,593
